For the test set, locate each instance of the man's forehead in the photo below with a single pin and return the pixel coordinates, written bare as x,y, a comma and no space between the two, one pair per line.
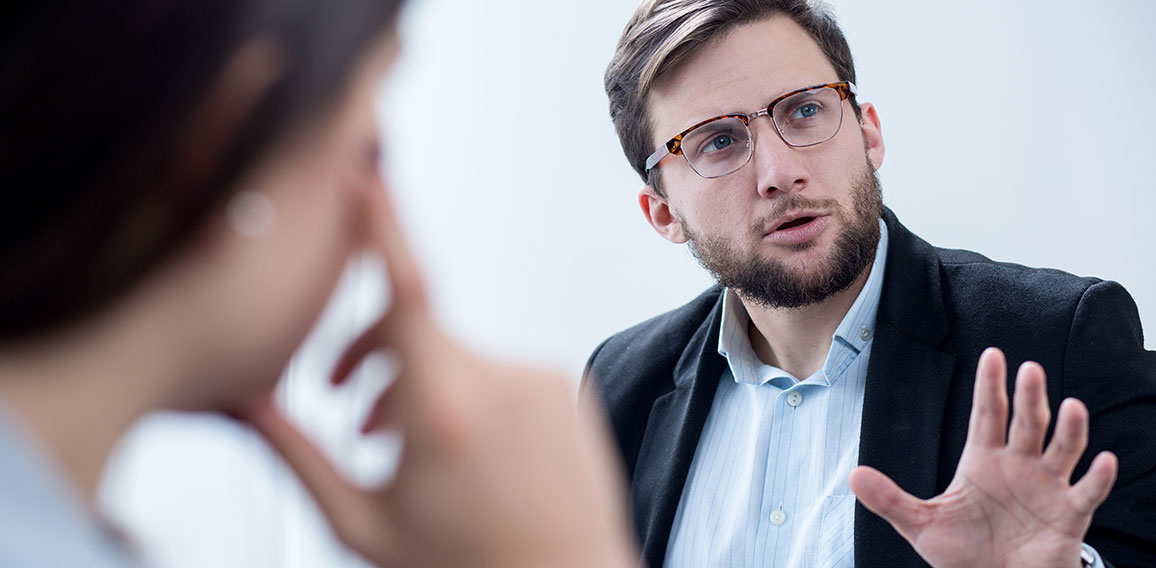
739,71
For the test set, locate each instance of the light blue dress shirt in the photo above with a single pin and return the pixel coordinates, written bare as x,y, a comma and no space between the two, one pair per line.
768,482
43,522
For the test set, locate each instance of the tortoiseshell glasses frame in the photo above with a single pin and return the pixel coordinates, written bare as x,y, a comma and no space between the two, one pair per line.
803,117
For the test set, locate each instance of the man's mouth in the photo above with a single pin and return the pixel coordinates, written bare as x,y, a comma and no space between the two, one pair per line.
793,220
795,223
797,229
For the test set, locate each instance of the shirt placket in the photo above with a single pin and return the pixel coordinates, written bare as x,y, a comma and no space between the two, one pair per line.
777,505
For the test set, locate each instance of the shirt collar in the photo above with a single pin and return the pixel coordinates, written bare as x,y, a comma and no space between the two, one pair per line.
854,333
43,512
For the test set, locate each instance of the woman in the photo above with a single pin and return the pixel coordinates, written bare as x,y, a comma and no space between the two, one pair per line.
192,176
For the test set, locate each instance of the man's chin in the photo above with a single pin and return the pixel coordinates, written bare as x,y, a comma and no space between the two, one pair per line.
803,260
789,281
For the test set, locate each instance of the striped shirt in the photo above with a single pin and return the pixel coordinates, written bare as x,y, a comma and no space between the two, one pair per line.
768,482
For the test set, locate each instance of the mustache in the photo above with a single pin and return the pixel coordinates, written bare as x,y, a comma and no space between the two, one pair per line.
788,203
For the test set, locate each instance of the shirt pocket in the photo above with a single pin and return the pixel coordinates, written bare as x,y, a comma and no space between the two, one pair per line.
835,547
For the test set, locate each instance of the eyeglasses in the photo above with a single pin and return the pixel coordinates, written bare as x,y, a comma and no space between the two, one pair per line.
721,145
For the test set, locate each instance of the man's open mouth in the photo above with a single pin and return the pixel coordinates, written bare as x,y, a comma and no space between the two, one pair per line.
795,223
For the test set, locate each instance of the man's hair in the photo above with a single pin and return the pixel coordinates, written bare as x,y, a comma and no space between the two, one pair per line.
662,34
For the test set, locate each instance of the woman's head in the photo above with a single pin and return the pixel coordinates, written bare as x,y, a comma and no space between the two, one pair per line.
129,130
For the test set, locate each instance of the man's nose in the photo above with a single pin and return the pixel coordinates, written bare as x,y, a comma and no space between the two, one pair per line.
779,167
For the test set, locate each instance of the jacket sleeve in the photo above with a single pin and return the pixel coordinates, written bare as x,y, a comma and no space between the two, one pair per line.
1106,366
589,388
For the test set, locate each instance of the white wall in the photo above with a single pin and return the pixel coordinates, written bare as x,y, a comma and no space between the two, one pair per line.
1024,130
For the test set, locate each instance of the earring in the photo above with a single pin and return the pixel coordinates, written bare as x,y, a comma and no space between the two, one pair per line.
252,214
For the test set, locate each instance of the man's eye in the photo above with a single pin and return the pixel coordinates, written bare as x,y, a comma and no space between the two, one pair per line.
720,142
807,110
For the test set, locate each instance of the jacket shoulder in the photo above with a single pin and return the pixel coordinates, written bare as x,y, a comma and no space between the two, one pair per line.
632,368
1028,312
650,348
974,283
972,265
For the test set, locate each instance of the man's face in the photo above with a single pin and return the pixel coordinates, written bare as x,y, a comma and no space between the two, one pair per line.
794,225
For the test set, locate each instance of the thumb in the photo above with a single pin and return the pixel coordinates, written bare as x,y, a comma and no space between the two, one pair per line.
883,497
353,512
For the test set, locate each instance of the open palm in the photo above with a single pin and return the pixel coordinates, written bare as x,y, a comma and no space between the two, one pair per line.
1011,502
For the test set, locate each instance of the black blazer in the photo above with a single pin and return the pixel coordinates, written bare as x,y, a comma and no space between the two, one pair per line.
939,309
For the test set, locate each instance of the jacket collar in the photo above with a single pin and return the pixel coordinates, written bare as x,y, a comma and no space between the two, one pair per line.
903,406
906,391
672,432
912,301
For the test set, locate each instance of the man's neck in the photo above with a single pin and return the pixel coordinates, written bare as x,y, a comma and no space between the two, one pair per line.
796,340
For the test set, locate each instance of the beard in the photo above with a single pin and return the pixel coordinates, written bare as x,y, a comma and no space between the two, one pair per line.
771,283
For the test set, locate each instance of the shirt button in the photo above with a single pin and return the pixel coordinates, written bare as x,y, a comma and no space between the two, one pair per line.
794,398
864,334
778,517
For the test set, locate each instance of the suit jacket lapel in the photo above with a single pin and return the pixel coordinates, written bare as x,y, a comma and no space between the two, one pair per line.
906,391
672,433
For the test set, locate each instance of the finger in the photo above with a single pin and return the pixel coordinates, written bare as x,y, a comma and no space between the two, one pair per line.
987,426
1070,439
369,341
407,326
384,235
348,508
883,497
386,412
1093,488
1030,415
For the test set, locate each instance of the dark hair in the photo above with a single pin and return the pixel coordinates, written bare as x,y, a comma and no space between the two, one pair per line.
664,33
101,106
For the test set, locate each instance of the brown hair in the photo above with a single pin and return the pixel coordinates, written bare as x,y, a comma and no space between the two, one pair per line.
663,33
105,162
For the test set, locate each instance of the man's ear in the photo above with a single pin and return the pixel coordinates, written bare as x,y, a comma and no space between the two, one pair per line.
872,134
657,211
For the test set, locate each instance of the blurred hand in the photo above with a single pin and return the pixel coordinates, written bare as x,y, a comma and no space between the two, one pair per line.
499,467
1010,503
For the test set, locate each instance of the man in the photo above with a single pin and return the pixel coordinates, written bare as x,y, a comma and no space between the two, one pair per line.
837,338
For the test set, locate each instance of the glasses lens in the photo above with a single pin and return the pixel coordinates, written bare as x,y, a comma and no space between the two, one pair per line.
809,118
717,148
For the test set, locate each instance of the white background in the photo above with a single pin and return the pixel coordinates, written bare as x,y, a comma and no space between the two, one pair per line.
1024,130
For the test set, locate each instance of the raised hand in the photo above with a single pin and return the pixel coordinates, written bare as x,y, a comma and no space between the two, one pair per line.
1011,502
499,467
